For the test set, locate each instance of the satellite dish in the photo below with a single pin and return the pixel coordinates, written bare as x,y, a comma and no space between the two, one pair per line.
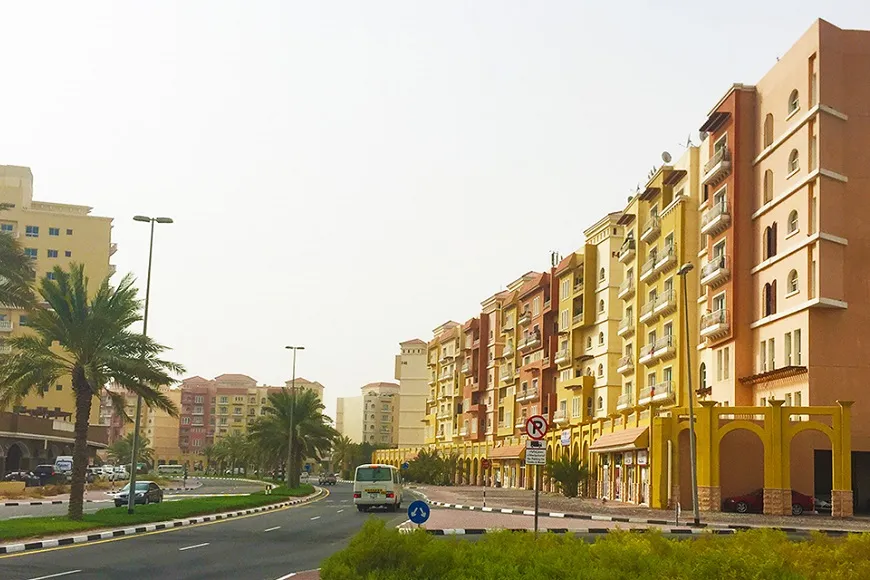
666,157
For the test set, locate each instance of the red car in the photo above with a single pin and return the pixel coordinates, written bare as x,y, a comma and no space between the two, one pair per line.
754,502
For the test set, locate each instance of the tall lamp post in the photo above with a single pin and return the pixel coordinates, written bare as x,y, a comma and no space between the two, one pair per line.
682,272
292,437
134,463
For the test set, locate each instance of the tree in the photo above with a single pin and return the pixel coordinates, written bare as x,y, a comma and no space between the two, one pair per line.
568,473
88,339
342,453
234,450
121,451
313,431
209,452
16,272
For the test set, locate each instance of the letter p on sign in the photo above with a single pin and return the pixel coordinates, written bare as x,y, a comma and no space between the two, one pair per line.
536,427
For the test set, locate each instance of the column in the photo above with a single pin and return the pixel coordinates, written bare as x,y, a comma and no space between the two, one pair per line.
842,500
709,492
777,491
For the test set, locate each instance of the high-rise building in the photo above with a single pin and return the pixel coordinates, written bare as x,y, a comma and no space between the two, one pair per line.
349,417
410,371
380,424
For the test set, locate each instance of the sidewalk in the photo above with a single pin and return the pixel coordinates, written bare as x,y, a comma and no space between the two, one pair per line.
501,498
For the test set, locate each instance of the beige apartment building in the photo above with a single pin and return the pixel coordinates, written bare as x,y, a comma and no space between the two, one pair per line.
52,234
380,413
349,417
410,371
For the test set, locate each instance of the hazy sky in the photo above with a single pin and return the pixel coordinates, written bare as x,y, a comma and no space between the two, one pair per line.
347,175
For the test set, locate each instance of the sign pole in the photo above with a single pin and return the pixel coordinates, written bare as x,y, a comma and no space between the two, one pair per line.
537,495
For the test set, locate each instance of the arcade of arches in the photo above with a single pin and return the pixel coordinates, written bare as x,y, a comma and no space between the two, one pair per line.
634,459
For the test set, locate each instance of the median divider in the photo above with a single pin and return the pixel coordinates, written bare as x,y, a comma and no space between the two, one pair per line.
152,527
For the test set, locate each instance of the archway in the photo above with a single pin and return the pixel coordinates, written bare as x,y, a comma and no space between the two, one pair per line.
744,448
467,475
475,474
549,484
17,457
811,467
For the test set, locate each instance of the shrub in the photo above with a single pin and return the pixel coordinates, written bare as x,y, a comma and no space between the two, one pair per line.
383,554
568,472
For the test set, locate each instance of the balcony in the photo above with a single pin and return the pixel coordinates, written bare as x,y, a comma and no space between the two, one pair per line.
665,303
718,167
527,395
646,355
665,347
716,272
521,423
445,393
651,229
476,408
467,369
507,351
627,251
626,327
626,289
577,319
715,325
530,342
441,436
560,417
5,349
525,318
445,414
716,219
508,323
625,365
578,285
663,391
623,402
648,269
462,432
563,356
429,400
445,375
447,357
647,312
506,374
666,260
5,326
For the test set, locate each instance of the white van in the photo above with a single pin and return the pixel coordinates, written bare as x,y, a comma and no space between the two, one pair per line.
376,485
63,464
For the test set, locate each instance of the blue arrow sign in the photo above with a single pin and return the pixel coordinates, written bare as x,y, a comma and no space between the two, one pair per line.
418,512
406,465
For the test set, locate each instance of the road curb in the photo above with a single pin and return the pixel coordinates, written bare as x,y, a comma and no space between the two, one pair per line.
605,531
115,533
715,528
49,502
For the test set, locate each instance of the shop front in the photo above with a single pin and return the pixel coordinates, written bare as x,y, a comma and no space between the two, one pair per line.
623,458
507,465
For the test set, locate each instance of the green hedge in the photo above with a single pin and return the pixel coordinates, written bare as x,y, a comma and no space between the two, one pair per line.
384,554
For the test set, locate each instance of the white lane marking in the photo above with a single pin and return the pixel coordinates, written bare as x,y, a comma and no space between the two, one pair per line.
272,529
290,575
344,501
339,511
57,575
316,518
194,546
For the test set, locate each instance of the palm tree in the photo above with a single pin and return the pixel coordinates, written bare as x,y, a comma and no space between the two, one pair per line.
234,449
343,449
88,339
16,272
121,451
313,431
209,452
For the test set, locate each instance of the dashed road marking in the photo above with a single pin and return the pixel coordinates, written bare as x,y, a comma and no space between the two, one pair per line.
194,546
272,529
315,518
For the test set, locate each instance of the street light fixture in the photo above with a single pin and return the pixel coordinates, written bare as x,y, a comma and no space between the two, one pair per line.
292,436
682,273
134,463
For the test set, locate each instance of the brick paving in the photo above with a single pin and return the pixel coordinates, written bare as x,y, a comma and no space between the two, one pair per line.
525,499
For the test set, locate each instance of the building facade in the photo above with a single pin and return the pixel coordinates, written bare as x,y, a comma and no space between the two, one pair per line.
380,424
349,417
410,372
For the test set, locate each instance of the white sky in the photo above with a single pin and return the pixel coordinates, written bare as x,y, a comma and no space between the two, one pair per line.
347,175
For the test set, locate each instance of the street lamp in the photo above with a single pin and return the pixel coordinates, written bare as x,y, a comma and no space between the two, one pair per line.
292,437
682,272
134,463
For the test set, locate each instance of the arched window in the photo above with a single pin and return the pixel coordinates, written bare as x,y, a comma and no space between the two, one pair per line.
792,221
600,338
703,373
768,130
768,186
792,281
601,306
769,249
769,297
794,162
794,102
588,371
765,300
600,370
601,274
588,342
588,405
600,403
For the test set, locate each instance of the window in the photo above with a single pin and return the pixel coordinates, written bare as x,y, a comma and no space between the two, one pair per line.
601,306
792,282
651,380
185,420
30,253
771,354
600,339
58,387
31,231
769,299
7,228
588,406
794,102
22,320
769,241
69,232
600,370
588,342
565,321
768,186
796,344
50,276
719,364
536,306
768,130
566,287
787,349
54,231
52,253
703,375
793,161
575,407
68,254
787,400
224,399
601,275
797,399
198,399
726,356
600,403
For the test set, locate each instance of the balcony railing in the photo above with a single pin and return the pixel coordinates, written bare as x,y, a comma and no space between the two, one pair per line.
578,285
651,229
521,423
506,374
578,318
530,341
528,394
648,269
508,323
623,402
560,416
626,289
463,432
5,326
716,219
646,354
715,324
5,349
666,259
627,250
466,368
507,351
718,167
647,314
626,326
445,414
665,347
625,365
525,318
665,302
563,356
716,272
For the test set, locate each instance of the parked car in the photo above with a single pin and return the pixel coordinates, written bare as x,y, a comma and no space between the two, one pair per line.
47,474
823,504
146,492
754,502
327,479
27,477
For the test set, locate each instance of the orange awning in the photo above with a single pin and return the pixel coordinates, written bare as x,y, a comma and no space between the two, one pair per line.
507,452
625,440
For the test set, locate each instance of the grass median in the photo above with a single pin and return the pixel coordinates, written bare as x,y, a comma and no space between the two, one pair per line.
145,514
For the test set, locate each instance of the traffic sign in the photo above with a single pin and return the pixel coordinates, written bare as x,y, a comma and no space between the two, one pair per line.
406,465
536,452
418,512
485,464
536,427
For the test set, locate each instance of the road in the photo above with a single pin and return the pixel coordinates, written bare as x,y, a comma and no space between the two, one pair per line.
209,486
261,546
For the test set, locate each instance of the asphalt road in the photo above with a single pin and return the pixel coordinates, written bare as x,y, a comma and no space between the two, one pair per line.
265,546
209,486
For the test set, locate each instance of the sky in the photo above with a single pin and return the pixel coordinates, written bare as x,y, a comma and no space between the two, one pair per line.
348,175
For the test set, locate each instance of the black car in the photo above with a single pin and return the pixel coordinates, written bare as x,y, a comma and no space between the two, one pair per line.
146,492
327,479
47,474
27,477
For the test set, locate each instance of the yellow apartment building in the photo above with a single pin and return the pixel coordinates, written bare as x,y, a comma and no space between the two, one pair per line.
52,234
380,413
492,311
410,371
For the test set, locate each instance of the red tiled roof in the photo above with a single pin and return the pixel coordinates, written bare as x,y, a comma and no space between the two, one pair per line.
232,376
413,341
565,263
531,285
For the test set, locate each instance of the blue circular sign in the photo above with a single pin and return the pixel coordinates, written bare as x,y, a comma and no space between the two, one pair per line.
406,465
418,512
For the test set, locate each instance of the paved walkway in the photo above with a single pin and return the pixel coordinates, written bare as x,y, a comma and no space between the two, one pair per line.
525,499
